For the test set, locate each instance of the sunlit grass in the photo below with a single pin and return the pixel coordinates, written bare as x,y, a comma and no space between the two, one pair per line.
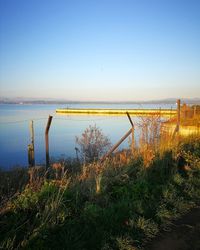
120,203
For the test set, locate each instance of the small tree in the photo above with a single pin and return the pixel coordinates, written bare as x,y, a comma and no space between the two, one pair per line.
92,143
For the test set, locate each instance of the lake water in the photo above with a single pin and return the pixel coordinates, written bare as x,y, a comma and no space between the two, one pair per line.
15,134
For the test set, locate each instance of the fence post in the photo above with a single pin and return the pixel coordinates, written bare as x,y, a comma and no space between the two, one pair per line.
178,114
31,152
133,131
171,113
47,140
195,111
177,128
133,140
116,145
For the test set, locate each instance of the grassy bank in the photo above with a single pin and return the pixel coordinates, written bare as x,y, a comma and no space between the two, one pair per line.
119,204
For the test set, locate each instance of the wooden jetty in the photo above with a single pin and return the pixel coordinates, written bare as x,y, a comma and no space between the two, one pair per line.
133,112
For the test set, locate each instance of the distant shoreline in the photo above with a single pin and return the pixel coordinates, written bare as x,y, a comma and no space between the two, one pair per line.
164,101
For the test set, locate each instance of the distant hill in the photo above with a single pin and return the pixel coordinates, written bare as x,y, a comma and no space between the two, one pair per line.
4,100
174,100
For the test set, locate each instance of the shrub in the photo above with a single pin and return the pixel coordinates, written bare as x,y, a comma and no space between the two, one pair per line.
92,143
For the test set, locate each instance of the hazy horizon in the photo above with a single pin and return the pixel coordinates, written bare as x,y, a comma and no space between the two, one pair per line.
62,100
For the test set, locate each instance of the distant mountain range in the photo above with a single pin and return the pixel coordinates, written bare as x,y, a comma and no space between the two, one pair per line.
174,100
4,100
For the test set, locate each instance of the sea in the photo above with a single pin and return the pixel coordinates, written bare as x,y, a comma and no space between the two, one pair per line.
15,130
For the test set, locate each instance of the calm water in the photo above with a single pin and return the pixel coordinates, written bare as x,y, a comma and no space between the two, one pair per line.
15,135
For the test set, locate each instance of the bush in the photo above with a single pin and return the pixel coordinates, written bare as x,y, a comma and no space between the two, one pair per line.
92,144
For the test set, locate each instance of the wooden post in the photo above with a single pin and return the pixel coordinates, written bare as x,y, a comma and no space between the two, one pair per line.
32,142
133,131
177,128
195,111
31,152
47,140
77,150
133,140
171,113
131,122
116,145
30,162
178,114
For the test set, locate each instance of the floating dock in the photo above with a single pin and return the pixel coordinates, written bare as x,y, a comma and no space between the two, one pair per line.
133,112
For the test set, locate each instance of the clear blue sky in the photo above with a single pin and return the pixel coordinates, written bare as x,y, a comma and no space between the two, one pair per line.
100,49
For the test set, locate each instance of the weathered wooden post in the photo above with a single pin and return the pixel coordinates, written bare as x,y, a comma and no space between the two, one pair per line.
133,131
178,114
31,153
133,140
47,140
195,111
171,113
30,162
32,142
116,145
77,150
177,128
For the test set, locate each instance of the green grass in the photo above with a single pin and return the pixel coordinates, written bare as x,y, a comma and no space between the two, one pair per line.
133,204
12,181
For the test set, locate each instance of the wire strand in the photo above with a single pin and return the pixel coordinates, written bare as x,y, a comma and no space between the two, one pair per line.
21,121
56,118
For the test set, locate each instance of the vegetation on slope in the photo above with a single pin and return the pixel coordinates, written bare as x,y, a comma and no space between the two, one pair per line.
113,205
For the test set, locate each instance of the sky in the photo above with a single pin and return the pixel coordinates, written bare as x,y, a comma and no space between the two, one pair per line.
100,50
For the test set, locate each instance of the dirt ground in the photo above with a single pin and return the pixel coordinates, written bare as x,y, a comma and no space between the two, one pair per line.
184,234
